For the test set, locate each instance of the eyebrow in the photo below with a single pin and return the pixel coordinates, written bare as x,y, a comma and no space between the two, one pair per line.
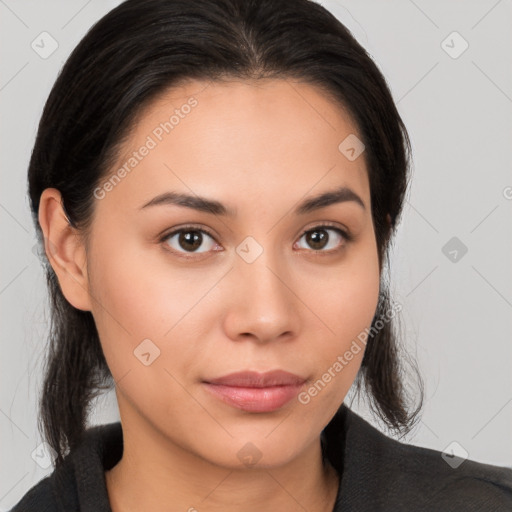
202,204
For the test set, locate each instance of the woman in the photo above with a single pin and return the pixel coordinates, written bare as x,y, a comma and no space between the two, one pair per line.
216,184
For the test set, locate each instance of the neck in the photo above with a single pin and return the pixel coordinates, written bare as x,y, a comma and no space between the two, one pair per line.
151,478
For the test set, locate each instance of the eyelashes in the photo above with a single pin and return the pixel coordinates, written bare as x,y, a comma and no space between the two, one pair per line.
194,240
188,241
319,240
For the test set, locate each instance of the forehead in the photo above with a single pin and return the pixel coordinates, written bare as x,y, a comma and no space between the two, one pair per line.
239,139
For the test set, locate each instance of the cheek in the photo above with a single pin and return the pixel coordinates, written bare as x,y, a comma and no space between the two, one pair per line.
128,300
340,355
136,292
139,297
136,304
345,296
347,307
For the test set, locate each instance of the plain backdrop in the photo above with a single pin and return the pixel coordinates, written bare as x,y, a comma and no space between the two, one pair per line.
448,66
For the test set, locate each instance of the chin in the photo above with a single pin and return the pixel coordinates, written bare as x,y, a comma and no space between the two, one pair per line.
256,451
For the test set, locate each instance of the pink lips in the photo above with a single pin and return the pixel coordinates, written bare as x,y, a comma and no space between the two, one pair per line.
256,392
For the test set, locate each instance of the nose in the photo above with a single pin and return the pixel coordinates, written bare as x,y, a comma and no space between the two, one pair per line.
264,305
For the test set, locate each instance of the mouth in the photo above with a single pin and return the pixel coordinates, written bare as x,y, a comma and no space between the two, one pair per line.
256,392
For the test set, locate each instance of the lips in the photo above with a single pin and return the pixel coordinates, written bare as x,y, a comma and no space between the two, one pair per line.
258,380
256,392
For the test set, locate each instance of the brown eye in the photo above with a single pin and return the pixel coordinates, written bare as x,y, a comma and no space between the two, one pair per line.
190,240
323,238
317,239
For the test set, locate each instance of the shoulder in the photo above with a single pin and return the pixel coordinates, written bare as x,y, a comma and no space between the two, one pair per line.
78,483
400,476
43,498
435,478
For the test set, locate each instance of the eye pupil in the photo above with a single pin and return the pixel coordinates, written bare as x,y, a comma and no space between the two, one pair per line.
318,238
190,237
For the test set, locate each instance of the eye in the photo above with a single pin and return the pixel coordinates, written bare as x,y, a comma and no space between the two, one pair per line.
190,239
324,238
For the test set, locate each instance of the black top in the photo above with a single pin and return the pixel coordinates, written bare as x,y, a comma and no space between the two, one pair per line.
377,474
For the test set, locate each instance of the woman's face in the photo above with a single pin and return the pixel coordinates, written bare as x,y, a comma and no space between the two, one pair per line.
243,287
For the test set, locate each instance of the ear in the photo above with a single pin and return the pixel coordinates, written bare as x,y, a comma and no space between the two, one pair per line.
64,250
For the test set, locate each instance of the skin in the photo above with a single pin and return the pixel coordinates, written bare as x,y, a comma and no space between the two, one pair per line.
259,148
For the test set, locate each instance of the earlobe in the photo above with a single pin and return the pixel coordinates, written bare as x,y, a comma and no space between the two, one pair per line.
64,250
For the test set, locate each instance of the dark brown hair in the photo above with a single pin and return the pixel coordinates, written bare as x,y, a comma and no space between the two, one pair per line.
138,51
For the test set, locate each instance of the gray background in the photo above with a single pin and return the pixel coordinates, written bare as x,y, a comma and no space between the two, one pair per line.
456,314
